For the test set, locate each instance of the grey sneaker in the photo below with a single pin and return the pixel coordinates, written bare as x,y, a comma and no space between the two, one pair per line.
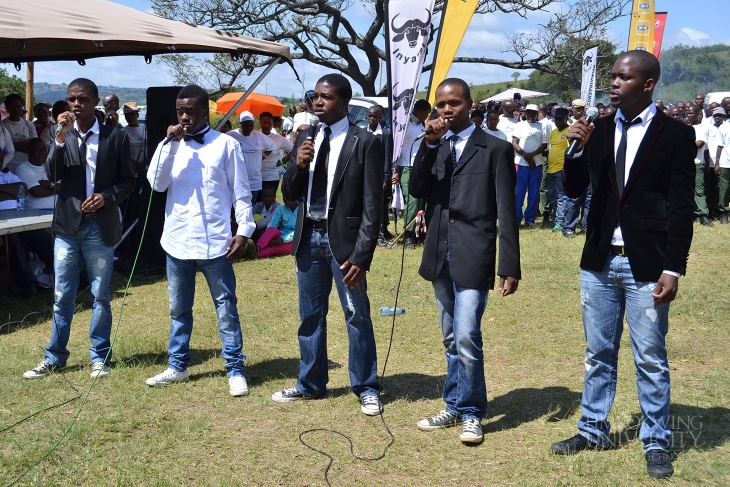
371,405
288,395
471,431
41,370
444,419
99,369
237,386
169,376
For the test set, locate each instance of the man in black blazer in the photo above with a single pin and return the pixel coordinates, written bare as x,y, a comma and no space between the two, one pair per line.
469,180
94,165
640,166
338,178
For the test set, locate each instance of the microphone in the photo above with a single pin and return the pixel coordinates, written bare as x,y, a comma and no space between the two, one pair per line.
61,126
591,114
312,132
428,131
168,139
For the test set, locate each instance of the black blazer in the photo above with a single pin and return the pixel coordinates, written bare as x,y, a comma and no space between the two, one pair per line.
356,200
467,203
114,180
657,203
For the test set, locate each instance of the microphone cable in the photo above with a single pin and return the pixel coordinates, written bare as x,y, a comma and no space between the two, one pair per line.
106,358
382,377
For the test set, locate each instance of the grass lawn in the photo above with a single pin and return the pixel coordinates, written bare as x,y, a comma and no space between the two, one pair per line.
194,433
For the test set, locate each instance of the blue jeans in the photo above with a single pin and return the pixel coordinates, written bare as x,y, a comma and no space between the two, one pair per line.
218,273
460,314
556,195
605,297
572,211
71,252
316,268
528,181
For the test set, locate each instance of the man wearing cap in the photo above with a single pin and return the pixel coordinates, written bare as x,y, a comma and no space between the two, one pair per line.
717,119
579,110
529,142
722,167
255,146
136,133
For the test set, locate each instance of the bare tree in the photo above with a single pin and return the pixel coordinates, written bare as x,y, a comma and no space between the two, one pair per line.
322,32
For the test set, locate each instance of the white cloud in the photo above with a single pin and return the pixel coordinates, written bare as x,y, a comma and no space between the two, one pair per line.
694,36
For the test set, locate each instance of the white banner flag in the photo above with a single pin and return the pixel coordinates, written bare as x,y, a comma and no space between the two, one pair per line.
588,83
407,31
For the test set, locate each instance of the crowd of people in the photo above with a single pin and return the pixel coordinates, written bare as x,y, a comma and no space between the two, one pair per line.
637,172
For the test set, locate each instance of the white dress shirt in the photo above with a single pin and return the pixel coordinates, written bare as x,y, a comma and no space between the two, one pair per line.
92,150
203,182
337,140
409,150
461,141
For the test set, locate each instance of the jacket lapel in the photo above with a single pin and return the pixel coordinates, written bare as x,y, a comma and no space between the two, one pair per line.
345,154
647,144
477,138
72,149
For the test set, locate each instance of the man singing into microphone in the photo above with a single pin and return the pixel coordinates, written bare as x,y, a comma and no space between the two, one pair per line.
204,175
338,176
94,166
640,167
469,180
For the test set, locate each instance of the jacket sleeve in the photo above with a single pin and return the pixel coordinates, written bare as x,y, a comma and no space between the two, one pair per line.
421,180
295,181
124,184
54,162
509,238
372,214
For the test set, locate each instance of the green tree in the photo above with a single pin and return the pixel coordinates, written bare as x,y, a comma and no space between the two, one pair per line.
10,84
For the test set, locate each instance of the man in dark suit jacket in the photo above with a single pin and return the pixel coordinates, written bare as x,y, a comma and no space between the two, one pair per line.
338,178
469,179
93,163
640,166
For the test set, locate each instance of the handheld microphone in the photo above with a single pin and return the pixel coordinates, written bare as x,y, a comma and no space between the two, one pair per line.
591,114
168,139
61,126
426,132
312,132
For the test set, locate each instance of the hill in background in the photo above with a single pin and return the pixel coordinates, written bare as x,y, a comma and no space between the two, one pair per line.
52,92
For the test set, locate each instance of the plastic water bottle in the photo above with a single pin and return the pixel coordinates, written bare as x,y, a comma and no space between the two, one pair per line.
390,311
21,197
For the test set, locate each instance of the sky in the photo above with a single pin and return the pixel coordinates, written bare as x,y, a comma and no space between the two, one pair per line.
486,36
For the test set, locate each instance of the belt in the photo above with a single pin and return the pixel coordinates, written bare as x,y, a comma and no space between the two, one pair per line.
318,225
88,215
617,250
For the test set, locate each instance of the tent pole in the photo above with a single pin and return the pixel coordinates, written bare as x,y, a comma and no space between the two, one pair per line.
29,70
250,89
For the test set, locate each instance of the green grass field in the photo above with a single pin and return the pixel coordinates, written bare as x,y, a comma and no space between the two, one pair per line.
195,434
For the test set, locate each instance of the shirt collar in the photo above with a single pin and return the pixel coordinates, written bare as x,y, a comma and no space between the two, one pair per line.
338,127
464,134
94,128
646,115
204,129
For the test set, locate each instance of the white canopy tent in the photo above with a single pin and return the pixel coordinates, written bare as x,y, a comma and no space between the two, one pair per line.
510,95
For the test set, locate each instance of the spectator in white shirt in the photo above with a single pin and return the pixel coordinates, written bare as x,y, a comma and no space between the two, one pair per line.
203,173
271,165
255,146
21,131
41,191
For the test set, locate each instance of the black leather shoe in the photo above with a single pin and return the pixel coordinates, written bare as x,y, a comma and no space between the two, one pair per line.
659,464
705,221
573,445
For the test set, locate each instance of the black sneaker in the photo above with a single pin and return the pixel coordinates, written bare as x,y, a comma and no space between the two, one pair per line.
41,370
705,221
471,431
724,219
288,395
659,464
444,419
573,445
410,243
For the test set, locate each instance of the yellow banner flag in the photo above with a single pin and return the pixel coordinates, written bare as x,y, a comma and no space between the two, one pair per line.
454,21
641,33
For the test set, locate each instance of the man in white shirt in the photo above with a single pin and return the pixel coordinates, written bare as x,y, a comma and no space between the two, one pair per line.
254,146
20,129
203,173
722,168
508,121
41,191
491,125
306,113
528,140
413,205
271,165
702,214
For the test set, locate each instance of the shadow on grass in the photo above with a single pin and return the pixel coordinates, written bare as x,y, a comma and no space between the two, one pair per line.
520,406
197,357
693,428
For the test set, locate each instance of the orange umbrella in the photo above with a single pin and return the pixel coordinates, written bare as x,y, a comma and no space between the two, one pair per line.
254,103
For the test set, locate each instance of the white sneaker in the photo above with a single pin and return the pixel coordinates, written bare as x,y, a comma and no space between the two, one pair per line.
99,369
169,376
41,370
371,405
237,386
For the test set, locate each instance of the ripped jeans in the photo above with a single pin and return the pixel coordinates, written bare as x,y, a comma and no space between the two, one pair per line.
605,297
70,253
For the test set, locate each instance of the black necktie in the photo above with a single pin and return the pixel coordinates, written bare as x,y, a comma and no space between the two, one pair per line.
621,154
452,144
82,147
197,137
318,201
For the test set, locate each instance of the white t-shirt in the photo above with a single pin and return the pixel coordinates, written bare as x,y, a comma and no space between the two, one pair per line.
725,143
302,118
253,147
9,178
507,126
701,133
31,176
531,137
547,128
713,142
19,131
269,168
496,133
